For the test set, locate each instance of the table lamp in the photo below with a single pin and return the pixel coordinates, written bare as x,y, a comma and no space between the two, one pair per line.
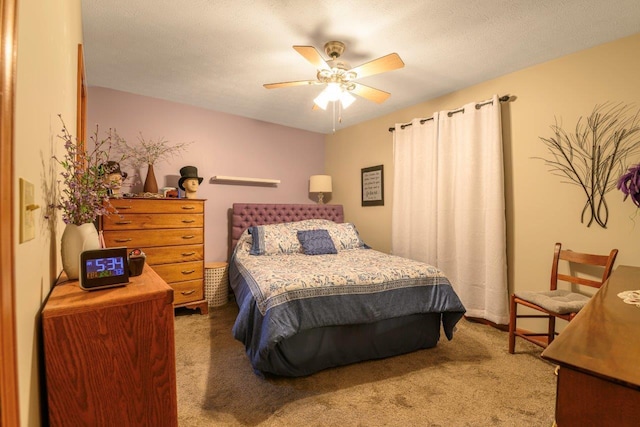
320,184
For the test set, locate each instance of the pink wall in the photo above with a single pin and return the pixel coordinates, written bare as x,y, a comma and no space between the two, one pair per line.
223,144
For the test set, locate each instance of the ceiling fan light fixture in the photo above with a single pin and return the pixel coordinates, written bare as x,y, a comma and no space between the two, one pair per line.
322,100
348,87
349,75
333,91
338,76
346,99
324,75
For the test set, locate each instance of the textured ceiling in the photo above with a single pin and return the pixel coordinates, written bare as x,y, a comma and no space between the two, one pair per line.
217,54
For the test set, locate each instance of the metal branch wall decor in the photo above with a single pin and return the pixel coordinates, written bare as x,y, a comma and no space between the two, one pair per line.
595,155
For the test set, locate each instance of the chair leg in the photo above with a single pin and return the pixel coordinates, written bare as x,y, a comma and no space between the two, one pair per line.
552,329
512,325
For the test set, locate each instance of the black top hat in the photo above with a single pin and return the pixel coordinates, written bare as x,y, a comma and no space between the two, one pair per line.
112,167
188,172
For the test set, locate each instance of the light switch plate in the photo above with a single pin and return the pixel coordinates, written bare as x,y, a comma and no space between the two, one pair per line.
27,214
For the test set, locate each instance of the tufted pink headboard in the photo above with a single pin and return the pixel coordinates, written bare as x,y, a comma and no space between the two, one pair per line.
245,215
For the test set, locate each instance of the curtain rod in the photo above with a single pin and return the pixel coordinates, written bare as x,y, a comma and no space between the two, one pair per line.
503,98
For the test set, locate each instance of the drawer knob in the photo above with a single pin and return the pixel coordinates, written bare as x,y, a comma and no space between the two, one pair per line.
122,222
188,253
188,292
190,236
188,208
188,221
123,240
187,271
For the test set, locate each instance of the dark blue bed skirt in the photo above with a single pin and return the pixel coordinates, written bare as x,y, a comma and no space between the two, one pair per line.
311,349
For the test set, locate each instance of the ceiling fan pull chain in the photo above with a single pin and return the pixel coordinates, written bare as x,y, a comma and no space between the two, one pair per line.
333,117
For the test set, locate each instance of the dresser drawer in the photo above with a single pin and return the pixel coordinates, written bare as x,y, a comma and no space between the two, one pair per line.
181,271
172,254
151,221
125,206
188,291
146,238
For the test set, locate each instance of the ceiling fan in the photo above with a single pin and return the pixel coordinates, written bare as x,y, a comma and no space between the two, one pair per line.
339,76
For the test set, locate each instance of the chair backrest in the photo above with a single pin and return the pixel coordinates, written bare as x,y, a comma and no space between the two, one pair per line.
604,261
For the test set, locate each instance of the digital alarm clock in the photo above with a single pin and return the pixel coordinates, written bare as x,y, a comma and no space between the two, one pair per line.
104,268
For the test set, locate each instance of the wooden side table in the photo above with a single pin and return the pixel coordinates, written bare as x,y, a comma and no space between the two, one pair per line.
110,354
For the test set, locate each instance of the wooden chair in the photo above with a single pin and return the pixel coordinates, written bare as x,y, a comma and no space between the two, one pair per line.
558,303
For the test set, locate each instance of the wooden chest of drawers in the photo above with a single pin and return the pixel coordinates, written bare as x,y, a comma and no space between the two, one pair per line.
171,234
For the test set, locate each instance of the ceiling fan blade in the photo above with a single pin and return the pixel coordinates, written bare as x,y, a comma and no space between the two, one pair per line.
380,65
312,55
372,94
287,84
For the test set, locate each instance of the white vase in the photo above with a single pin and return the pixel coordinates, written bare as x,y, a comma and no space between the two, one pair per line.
75,240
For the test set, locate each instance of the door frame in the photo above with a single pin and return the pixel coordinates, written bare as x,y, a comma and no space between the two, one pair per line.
9,407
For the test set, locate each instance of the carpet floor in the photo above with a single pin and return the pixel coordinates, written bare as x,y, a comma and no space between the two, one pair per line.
469,381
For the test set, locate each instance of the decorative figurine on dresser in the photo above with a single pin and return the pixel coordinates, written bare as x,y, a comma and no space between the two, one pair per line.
171,234
189,181
114,176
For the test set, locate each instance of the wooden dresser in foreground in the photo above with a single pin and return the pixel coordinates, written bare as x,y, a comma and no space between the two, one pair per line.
171,234
110,354
599,358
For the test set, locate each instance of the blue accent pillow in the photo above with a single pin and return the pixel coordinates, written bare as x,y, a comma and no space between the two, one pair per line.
316,242
257,245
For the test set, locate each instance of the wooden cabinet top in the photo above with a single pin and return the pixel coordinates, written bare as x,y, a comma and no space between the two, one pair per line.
604,338
68,298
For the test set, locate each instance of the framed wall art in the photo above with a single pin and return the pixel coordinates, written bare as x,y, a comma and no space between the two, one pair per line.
372,181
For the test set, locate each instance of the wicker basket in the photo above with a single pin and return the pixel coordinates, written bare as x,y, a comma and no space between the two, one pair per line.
216,283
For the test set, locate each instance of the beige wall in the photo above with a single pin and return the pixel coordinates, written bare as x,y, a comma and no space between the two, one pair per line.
540,209
48,35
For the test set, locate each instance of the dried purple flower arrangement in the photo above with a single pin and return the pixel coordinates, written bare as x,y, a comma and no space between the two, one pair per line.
85,193
629,184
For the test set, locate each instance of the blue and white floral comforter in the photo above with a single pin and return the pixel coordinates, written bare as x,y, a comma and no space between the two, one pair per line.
283,293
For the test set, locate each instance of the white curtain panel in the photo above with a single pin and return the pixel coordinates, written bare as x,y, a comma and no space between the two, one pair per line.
467,214
413,225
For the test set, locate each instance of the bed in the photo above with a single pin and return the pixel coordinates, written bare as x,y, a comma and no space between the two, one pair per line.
312,295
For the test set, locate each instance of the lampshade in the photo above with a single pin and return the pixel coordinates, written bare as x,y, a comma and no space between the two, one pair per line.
334,92
346,99
322,100
320,184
